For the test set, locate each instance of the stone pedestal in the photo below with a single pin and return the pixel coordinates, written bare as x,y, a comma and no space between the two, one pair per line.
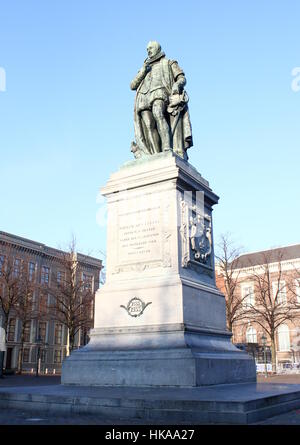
159,319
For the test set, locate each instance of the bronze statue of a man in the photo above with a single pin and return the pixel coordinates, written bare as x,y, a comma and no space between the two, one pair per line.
161,117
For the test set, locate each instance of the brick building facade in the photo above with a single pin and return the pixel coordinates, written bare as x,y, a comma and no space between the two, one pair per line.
45,265
246,270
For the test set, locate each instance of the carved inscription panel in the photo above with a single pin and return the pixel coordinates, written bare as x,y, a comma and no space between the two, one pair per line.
139,234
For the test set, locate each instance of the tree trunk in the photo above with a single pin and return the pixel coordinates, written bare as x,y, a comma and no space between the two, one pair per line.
68,343
20,354
229,327
273,352
5,325
72,340
20,358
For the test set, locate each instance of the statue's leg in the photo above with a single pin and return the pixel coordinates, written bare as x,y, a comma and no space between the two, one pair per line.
152,134
158,110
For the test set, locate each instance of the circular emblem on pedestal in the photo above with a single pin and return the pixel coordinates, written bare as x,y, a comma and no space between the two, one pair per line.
135,307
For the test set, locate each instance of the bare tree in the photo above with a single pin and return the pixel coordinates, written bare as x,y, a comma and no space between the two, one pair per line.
271,307
228,279
16,293
25,308
9,283
71,297
294,284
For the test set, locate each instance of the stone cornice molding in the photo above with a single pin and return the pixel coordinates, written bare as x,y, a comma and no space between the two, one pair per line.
41,250
137,174
287,265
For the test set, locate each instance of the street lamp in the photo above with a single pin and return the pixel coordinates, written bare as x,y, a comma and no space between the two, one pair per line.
39,342
264,340
293,352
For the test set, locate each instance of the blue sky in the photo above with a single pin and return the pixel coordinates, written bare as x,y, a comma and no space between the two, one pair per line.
66,117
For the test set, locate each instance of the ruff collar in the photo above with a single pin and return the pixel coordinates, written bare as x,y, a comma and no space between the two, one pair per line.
158,56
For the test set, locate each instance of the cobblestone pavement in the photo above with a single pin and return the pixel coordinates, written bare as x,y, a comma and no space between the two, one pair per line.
279,378
22,417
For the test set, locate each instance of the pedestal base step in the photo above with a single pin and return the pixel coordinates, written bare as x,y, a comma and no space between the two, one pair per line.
175,367
223,404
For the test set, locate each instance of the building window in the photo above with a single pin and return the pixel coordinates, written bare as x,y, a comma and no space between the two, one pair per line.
60,304
91,309
283,338
43,300
57,356
279,291
42,330
31,271
87,282
2,261
26,355
58,334
43,355
251,335
11,329
83,335
27,329
34,355
34,301
297,286
60,276
17,267
248,295
45,275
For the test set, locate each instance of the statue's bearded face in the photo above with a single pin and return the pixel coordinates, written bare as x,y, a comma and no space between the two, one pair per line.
153,48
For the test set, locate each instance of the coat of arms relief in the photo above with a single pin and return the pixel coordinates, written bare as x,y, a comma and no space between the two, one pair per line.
196,235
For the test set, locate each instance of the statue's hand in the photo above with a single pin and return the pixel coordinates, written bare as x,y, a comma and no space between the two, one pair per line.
145,69
175,89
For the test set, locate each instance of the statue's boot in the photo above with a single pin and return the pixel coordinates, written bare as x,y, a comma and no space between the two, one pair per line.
162,125
152,134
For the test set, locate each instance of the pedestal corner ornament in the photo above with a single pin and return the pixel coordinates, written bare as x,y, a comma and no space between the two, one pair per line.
135,307
196,236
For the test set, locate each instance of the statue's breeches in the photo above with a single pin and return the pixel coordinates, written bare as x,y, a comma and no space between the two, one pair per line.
145,101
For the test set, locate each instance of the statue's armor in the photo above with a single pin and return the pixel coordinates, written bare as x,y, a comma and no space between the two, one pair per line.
153,79
157,83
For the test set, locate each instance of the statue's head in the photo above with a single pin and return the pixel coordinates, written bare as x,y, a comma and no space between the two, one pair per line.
153,48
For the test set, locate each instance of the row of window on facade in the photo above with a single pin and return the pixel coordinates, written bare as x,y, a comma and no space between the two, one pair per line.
283,335
28,329
44,302
30,355
45,273
279,290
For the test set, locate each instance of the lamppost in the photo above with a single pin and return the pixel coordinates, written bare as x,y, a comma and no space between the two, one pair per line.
264,340
293,352
39,342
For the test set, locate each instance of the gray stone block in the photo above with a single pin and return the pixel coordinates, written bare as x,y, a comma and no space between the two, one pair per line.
218,404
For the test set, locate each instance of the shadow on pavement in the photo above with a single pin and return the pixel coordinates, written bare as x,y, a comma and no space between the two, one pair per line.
29,380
